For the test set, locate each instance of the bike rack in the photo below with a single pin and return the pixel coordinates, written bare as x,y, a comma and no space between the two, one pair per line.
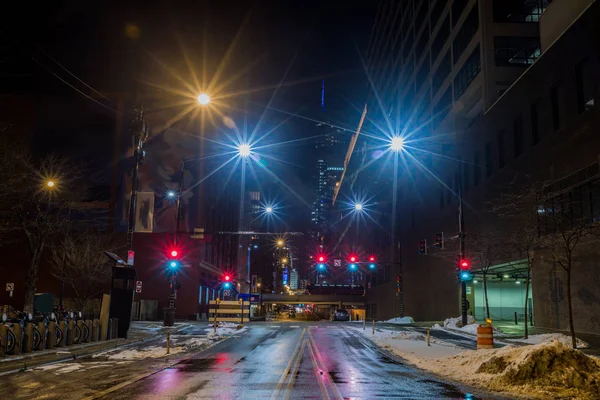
63,327
28,338
51,335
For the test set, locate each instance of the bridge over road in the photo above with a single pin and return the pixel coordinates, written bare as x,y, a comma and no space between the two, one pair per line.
338,300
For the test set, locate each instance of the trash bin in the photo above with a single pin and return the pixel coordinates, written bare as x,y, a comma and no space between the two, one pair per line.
169,317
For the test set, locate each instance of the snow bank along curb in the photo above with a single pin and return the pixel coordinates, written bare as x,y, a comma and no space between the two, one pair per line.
454,325
544,370
178,344
62,354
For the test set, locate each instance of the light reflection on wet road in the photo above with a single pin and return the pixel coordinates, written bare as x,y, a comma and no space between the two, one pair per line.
307,361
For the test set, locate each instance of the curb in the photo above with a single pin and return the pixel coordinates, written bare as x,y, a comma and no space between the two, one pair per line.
62,354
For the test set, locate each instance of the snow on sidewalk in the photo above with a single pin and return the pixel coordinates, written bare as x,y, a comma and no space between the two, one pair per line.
544,370
548,338
401,321
179,343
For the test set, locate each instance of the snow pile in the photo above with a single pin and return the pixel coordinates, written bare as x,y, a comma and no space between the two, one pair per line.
551,337
401,321
546,370
224,329
456,323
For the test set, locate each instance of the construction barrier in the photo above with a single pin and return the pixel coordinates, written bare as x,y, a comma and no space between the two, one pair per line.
229,311
485,337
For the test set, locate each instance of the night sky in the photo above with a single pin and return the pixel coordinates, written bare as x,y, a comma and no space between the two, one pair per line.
263,40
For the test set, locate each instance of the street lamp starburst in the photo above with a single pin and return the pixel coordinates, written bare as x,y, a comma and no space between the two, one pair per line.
203,99
268,209
50,183
244,150
358,206
397,143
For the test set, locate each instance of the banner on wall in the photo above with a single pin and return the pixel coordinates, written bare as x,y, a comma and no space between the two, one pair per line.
144,212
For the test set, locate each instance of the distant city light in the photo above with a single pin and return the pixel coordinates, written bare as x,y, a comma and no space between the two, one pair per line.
244,150
203,99
397,143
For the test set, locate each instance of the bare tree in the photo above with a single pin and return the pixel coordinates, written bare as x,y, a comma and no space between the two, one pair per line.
565,231
79,262
34,198
488,248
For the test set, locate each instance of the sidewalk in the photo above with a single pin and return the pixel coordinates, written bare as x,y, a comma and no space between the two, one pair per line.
518,331
139,332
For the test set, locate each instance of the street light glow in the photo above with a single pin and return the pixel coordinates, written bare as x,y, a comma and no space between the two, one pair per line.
280,243
358,206
50,183
244,150
170,194
203,99
269,209
397,143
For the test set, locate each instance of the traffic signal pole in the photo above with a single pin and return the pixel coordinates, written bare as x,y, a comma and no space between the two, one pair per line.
461,256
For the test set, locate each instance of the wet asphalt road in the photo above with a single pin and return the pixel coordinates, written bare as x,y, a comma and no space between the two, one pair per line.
273,360
300,360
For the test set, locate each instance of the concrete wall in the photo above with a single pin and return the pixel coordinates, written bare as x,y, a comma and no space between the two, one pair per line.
558,17
550,290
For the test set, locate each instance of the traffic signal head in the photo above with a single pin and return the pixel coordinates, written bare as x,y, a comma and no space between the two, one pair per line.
423,247
352,266
465,276
227,285
227,278
321,266
173,264
439,240
352,258
372,258
321,259
464,264
174,253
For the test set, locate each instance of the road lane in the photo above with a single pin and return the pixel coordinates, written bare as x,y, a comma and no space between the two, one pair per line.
290,360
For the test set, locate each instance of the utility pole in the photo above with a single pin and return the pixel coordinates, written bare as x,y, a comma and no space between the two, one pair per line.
461,253
140,134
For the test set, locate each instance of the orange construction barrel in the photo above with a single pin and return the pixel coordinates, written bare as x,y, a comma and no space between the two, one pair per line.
485,337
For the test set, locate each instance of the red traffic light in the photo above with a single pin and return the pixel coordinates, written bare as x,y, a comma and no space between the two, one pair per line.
174,253
227,278
464,264
352,258
372,258
321,258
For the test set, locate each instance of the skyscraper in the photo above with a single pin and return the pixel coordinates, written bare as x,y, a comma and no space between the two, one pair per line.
329,150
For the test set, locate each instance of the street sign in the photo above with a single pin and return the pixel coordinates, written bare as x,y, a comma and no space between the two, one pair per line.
468,289
10,287
130,256
226,293
337,263
138,286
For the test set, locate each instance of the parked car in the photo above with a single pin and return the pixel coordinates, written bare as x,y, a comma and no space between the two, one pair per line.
341,315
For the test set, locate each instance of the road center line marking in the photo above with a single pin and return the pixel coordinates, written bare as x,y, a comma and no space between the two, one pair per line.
324,392
286,371
322,365
290,385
